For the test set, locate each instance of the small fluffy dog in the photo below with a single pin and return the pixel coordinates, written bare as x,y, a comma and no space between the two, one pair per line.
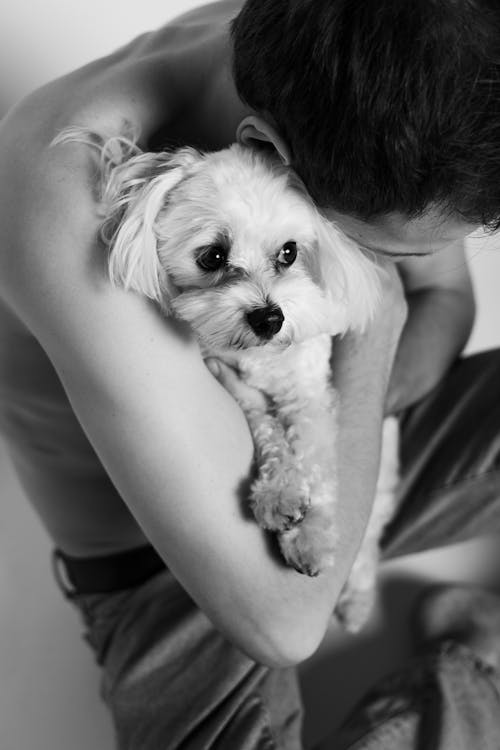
231,243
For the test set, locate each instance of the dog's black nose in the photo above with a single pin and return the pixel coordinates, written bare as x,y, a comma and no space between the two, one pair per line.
265,321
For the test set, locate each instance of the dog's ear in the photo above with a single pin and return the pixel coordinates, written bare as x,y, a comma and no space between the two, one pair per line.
134,189
347,275
135,193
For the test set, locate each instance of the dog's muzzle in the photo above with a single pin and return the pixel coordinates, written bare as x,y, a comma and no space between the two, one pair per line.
265,321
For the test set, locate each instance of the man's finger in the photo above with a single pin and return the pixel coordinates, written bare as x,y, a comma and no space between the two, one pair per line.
246,395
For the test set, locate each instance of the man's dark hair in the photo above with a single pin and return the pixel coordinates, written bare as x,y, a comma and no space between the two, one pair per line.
387,105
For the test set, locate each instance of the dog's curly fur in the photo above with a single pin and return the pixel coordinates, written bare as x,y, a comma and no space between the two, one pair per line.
213,237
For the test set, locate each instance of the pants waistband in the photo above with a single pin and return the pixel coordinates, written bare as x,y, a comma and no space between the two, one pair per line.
107,573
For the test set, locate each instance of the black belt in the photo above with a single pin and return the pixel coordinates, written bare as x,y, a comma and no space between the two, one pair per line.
107,573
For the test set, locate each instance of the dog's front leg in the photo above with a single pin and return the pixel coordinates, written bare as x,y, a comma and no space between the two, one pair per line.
280,495
295,441
310,546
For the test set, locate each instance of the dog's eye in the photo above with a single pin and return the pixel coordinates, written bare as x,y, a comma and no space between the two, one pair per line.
287,254
212,258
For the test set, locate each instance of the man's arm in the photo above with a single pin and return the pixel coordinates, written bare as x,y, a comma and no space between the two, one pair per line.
440,317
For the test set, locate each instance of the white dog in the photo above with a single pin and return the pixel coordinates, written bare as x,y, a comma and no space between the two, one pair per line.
231,243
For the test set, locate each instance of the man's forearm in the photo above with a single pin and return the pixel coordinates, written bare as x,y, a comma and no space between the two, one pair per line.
438,326
361,371
362,392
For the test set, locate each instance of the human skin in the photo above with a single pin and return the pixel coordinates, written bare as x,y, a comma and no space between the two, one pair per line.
158,449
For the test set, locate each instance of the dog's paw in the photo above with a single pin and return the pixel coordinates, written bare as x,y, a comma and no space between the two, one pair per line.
303,551
278,509
354,608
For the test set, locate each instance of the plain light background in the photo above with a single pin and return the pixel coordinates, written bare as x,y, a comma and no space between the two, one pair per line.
48,683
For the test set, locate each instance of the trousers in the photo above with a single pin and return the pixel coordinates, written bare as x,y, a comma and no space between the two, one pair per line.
172,682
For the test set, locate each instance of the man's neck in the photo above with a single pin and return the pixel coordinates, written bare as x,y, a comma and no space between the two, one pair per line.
222,109
214,110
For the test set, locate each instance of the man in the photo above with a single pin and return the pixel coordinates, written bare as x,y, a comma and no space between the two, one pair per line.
122,436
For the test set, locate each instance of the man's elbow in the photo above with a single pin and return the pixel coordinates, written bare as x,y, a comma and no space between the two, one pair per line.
287,653
285,644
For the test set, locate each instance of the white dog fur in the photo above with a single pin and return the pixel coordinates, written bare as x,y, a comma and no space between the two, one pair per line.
213,237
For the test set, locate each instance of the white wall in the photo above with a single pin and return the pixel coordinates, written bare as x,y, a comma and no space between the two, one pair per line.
484,262
42,39
48,683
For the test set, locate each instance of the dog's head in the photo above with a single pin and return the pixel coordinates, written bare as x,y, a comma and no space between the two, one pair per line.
231,243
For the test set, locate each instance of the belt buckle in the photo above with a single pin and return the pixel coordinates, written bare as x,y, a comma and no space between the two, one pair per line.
61,574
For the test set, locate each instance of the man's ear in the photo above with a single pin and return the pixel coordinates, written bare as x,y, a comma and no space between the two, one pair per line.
255,128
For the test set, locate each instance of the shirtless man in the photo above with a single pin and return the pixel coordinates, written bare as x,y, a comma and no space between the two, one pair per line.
123,438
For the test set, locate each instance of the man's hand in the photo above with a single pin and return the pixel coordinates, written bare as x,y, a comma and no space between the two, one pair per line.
248,397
